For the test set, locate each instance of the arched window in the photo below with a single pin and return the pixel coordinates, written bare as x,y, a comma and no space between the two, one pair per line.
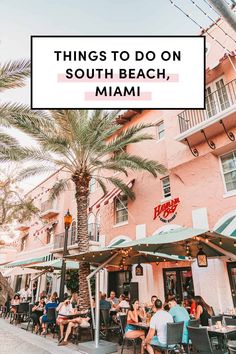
73,233
91,226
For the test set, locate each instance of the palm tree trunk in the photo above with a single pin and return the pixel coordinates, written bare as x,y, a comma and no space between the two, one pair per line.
81,195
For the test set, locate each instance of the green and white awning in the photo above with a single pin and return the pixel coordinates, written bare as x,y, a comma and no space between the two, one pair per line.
227,227
26,262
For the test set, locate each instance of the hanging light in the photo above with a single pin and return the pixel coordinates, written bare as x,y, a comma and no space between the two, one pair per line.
139,270
220,242
202,258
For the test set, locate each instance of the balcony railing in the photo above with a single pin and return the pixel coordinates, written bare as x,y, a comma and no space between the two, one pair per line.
93,233
47,205
216,102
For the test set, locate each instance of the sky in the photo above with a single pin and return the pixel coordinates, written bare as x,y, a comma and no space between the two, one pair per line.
22,18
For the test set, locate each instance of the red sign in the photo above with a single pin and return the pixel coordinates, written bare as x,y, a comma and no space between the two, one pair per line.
167,211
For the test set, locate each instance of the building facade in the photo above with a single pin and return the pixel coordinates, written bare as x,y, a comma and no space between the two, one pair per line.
198,148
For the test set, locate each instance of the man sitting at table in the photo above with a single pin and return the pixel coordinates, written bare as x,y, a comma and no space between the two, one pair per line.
104,304
65,309
179,314
158,324
25,293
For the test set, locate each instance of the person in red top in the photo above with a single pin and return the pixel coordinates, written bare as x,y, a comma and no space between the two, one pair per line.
192,306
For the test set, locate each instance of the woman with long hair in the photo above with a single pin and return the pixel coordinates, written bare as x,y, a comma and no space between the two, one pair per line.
203,310
135,315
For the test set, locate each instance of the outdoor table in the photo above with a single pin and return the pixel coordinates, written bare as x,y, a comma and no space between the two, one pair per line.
71,316
221,334
142,325
232,344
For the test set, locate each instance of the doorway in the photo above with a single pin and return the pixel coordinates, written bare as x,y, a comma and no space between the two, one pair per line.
117,280
178,282
232,279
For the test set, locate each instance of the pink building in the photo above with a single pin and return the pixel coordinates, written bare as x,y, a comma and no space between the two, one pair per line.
198,147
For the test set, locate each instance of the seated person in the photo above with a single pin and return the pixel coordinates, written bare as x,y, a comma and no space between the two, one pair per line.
74,300
44,319
203,311
65,309
123,303
135,314
37,312
113,300
152,308
104,304
179,314
15,303
25,293
158,325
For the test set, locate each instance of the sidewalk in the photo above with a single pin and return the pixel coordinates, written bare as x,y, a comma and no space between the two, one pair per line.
14,340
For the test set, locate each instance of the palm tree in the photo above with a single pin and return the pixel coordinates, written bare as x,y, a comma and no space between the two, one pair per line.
13,74
85,144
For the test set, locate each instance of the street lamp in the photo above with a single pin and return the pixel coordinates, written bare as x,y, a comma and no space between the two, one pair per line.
67,223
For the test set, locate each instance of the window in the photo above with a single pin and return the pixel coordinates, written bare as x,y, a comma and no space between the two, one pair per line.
166,187
121,209
92,185
228,162
73,232
160,130
23,243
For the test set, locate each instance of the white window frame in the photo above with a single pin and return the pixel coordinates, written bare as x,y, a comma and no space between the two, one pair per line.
227,194
124,208
213,88
157,130
92,185
162,187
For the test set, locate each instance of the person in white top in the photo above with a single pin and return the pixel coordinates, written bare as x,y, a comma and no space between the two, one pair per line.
25,293
65,309
158,325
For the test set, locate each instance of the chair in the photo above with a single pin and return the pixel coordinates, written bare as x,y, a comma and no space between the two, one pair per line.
201,341
123,323
106,322
229,321
30,321
232,347
215,319
23,310
174,337
84,329
51,320
194,323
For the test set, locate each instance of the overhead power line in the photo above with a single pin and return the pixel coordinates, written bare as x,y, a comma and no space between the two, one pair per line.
225,11
200,26
213,21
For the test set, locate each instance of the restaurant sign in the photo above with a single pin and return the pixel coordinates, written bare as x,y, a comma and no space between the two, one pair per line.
166,212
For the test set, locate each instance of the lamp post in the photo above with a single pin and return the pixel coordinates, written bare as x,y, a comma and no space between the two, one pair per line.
67,223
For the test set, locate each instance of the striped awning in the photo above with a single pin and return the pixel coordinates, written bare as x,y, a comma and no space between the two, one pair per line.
28,261
228,227
109,197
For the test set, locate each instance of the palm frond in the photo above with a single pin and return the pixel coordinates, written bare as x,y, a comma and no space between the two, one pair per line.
129,136
59,187
14,73
101,184
118,183
7,140
35,170
134,162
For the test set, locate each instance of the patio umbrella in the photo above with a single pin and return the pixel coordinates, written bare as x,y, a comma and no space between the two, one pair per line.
8,272
187,242
54,265
117,256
